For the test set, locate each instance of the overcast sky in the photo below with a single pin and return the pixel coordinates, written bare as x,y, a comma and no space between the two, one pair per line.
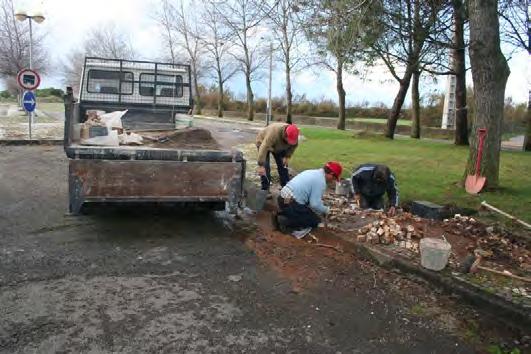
67,22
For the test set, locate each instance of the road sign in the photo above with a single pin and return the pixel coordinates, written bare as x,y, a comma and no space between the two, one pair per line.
28,101
28,79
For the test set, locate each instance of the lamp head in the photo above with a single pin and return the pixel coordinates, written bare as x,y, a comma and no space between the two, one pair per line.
21,15
38,17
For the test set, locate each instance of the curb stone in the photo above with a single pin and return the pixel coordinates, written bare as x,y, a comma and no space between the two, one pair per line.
518,314
15,142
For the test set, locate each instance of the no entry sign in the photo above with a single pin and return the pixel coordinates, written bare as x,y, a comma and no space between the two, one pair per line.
28,79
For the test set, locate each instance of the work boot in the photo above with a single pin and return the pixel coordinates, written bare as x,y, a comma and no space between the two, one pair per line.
283,224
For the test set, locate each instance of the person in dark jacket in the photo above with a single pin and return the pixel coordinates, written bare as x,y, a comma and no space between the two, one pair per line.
279,140
370,182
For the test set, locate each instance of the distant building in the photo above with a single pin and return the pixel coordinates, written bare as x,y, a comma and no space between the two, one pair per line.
448,118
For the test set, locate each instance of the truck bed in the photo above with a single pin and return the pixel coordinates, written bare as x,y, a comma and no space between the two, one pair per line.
175,170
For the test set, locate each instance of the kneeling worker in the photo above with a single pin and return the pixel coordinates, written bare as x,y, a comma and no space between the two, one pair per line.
279,139
300,201
370,182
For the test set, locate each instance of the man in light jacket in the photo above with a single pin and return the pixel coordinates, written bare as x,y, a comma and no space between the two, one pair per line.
300,201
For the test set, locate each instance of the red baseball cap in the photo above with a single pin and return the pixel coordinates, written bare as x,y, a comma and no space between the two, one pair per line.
335,167
292,134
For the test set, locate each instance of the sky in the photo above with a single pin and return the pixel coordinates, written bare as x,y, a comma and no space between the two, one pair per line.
68,21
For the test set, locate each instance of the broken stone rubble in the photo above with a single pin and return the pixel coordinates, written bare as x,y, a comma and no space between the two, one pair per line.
405,231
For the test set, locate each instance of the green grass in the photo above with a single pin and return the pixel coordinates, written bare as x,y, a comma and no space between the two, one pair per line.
381,121
51,106
417,310
425,170
42,105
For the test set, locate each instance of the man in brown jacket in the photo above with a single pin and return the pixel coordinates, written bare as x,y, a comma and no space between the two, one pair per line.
279,139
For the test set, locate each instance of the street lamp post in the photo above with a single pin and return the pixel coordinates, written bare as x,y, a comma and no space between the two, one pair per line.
38,17
269,109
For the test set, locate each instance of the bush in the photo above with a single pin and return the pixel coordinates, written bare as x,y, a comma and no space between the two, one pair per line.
5,94
49,92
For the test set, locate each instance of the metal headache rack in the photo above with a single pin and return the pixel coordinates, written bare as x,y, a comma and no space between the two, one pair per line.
152,92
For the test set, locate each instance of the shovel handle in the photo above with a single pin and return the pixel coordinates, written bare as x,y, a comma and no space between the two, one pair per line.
510,275
482,133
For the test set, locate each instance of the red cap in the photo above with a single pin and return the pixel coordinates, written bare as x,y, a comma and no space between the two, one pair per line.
335,167
292,134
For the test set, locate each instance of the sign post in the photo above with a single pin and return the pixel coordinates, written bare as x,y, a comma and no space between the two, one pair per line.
29,80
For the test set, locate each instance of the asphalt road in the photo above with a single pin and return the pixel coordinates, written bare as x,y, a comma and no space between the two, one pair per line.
166,280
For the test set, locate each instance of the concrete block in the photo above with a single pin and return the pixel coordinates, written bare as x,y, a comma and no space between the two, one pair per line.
427,210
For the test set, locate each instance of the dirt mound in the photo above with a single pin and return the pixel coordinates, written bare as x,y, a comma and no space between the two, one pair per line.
188,138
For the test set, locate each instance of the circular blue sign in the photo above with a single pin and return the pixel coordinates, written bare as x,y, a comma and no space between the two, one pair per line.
28,101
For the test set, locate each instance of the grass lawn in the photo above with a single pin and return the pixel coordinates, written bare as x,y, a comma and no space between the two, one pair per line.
43,106
425,170
381,121
51,106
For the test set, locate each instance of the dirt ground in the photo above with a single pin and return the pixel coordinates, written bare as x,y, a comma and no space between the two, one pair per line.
187,138
322,259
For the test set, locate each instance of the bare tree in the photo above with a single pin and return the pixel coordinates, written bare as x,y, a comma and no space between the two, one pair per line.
165,18
106,41
489,74
341,31
14,44
514,23
110,42
180,30
516,30
243,17
71,68
407,24
288,33
217,38
187,25
459,68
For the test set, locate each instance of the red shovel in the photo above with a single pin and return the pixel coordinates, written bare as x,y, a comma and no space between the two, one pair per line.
475,183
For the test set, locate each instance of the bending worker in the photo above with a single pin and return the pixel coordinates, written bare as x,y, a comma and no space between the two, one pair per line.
370,182
300,201
279,139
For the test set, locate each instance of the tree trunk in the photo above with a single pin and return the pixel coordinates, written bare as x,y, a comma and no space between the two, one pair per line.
220,100
527,138
289,96
250,97
197,98
397,104
340,95
489,75
458,55
415,103
220,89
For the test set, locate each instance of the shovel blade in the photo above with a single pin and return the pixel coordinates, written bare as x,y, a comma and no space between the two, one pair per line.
474,184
